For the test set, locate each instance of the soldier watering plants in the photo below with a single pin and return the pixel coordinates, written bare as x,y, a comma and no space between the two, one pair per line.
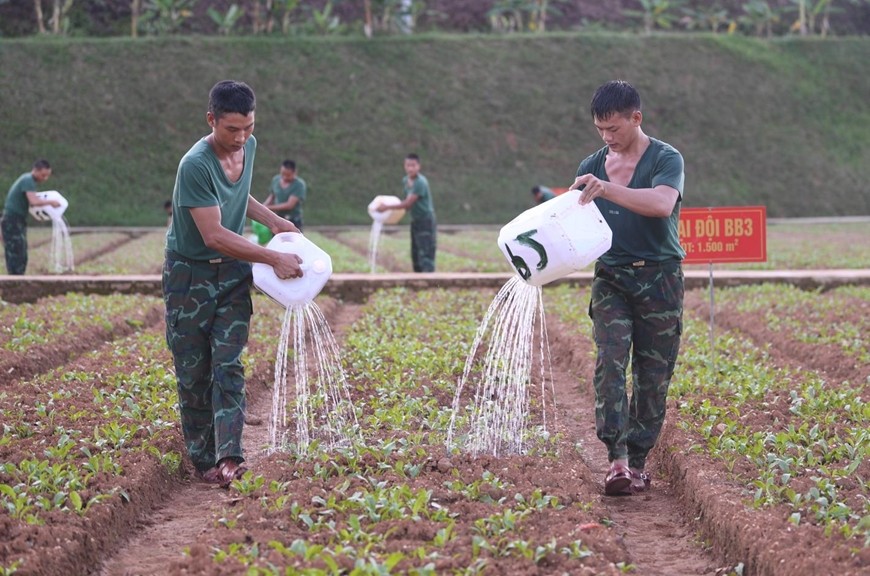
207,280
636,304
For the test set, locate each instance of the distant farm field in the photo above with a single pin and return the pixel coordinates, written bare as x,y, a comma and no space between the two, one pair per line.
797,245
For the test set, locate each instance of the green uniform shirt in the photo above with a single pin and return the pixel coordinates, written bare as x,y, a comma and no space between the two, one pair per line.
16,199
546,194
296,188
637,237
200,182
423,207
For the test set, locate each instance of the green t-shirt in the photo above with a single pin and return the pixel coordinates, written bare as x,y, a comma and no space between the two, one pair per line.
637,237
296,188
16,199
546,194
200,182
423,207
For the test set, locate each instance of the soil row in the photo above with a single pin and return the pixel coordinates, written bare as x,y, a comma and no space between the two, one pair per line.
697,492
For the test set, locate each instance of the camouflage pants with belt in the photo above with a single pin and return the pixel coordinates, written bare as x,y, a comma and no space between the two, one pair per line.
423,244
208,313
636,314
14,230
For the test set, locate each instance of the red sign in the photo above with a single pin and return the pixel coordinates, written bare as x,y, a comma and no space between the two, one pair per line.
734,234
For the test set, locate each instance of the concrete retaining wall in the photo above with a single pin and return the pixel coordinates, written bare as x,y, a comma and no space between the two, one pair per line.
358,287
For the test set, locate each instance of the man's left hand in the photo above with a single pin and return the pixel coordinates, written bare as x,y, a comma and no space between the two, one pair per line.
284,226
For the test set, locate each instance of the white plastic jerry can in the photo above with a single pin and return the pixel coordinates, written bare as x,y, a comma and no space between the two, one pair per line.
555,239
48,212
387,216
316,267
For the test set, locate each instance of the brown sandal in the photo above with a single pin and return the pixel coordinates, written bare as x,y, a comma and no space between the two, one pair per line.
229,470
210,476
618,480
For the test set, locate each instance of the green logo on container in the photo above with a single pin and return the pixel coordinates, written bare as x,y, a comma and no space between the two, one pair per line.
526,240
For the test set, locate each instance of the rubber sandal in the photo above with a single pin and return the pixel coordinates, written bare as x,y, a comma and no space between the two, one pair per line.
210,476
618,480
640,480
229,470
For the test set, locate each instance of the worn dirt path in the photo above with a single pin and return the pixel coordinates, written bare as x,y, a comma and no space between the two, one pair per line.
163,535
187,512
659,539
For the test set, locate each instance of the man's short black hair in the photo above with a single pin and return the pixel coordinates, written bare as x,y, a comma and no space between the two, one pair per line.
41,164
412,156
229,96
614,97
536,189
289,165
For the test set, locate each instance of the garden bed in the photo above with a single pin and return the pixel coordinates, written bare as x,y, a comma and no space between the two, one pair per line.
765,445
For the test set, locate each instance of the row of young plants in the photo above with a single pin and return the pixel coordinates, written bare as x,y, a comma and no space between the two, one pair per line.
344,258
141,255
398,501
83,247
797,442
71,438
811,457
839,318
57,320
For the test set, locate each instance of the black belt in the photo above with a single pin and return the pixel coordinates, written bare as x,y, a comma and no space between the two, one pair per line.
647,264
173,255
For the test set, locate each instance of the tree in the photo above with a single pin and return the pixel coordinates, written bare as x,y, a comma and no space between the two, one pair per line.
167,16
760,17
656,13
40,24
60,16
135,10
226,21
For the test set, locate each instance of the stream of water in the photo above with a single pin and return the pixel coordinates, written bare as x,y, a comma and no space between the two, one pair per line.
323,410
374,240
497,421
61,246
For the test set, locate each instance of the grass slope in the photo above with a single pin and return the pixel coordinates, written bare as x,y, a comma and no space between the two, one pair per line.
780,123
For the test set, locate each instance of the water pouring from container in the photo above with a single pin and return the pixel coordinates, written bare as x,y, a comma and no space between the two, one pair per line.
378,221
323,407
61,244
542,244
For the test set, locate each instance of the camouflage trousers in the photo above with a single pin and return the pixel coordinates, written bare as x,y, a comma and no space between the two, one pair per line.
208,313
14,230
423,244
636,314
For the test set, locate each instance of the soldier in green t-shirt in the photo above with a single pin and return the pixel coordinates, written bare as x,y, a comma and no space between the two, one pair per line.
207,280
287,194
418,199
541,194
13,225
637,291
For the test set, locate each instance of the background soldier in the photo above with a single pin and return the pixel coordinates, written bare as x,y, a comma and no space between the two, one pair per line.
13,225
418,199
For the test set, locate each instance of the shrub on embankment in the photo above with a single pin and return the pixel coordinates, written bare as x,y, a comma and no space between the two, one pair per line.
781,123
